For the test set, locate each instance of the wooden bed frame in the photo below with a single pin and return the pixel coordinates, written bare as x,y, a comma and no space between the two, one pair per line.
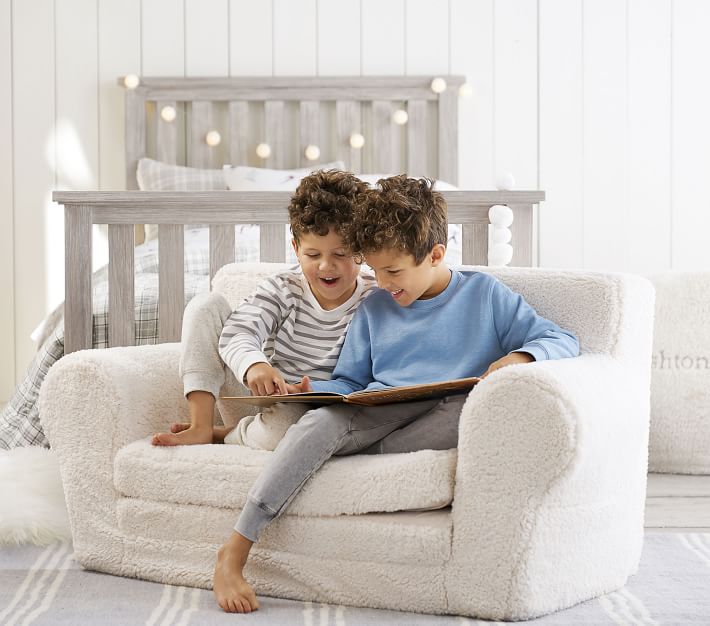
324,112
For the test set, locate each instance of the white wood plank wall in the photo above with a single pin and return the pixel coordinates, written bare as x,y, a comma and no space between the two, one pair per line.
602,104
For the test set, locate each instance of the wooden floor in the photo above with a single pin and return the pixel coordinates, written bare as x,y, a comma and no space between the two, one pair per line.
678,503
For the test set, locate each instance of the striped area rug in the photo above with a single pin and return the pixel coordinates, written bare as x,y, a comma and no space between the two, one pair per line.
46,586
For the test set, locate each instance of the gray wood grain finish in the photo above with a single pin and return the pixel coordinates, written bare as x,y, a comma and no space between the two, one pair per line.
121,285
200,154
238,132
154,203
166,133
272,240
362,88
417,130
348,121
221,247
309,121
77,278
448,135
171,281
474,243
522,230
381,150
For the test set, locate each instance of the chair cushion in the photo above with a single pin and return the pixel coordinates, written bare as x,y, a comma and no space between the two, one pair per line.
221,475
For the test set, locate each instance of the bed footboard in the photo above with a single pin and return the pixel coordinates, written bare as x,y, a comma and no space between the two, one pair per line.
221,210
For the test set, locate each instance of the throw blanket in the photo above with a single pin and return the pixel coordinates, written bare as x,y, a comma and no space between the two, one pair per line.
19,421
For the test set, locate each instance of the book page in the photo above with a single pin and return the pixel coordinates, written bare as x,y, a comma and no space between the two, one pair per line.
412,393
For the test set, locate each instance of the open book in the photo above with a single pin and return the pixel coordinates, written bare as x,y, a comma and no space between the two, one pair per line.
373,397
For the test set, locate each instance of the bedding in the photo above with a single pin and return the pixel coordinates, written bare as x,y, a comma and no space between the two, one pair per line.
19,420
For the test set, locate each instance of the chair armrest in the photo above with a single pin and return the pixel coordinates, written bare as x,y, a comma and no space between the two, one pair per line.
547,452
94,402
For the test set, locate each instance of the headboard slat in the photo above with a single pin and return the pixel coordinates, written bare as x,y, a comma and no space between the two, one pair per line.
171,281
417,129
166,133
347,122
309,129
200,154
238,132
381,150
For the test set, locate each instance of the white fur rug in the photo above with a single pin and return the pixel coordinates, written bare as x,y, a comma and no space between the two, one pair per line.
32,507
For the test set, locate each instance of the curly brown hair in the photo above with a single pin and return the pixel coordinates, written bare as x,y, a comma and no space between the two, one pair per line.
323,200
403,213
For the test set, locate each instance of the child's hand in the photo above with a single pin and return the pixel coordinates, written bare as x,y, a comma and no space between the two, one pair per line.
264,380
509,359
302,387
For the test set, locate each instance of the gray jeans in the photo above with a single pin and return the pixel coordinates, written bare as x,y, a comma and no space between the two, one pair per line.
343,429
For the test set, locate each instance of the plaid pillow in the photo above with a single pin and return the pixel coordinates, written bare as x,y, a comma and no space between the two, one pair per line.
155,175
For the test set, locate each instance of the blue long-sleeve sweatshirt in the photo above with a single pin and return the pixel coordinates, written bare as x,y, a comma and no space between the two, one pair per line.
456,334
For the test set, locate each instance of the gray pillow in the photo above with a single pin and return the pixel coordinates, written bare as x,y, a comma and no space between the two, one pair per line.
155,175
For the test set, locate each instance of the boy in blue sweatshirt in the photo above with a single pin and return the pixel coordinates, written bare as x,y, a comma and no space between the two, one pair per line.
426,323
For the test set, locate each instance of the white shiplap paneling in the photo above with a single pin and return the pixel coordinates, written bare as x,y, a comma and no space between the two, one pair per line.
561,219
250,38
382,37
690,234
478,170
162,38
119,54
515,66
7,261
463,49
605,134
427,37
207,37
338,37
34,165
295,38
649,136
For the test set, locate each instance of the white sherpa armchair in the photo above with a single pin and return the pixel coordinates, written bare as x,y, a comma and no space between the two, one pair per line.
540,507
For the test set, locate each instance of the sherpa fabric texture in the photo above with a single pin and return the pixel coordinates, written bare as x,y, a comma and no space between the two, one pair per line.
679,442
548,493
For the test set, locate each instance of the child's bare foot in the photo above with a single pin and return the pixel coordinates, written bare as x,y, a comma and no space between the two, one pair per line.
192,435
234,594
218,432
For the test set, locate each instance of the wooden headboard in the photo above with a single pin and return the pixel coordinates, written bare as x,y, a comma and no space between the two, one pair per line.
292,113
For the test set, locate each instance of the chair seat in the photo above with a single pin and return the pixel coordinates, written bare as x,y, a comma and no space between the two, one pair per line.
221,475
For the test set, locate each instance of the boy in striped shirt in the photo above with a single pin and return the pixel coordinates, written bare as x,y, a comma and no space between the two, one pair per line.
293,323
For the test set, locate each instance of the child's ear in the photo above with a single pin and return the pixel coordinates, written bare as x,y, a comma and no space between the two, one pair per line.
294,245
437,254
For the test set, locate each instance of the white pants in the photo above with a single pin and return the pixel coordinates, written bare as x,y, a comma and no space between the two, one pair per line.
202,369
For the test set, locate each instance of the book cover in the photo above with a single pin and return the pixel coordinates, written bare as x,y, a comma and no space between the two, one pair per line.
366,397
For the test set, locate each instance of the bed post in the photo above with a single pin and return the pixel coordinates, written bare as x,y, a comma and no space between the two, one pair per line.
77,277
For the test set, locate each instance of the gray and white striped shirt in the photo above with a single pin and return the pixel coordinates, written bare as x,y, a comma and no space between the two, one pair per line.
282,324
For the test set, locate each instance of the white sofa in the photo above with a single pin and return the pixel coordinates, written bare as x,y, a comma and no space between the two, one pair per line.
541,507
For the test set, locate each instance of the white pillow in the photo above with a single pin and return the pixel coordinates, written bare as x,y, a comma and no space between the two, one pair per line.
244,178
371,179
153,175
